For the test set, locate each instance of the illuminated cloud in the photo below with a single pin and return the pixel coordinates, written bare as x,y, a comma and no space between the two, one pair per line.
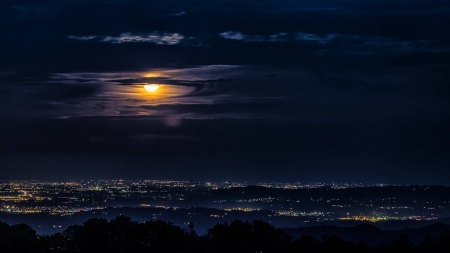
233,35
155,37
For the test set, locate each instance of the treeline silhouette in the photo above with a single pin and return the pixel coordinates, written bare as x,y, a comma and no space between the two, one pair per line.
122,235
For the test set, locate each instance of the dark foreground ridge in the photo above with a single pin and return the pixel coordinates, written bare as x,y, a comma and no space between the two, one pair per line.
124,235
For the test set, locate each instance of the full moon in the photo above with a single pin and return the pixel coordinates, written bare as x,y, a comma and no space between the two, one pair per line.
151,87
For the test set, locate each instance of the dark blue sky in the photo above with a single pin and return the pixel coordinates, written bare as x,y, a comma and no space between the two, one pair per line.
343,91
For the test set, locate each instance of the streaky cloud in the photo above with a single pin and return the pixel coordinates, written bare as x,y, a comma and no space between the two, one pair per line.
232,35
309,37
81,37
154,37
181,13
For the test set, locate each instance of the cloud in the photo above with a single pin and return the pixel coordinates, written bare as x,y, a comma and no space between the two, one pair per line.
111,93
235,108
231,35
155,37
65,92
202,87
165,38
81,37
384,44
278,37
301,37
310,37
283,36
181,13
331,43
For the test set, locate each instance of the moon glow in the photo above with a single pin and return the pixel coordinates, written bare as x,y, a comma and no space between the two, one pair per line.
151,87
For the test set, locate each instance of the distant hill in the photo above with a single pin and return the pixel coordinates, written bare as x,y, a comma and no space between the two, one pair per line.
370,234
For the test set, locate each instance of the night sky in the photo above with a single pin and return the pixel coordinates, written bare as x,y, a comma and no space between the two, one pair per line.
267,90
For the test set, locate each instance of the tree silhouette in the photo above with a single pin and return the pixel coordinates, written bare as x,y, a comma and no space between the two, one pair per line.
306,243
443,243
401,244
239,236
121,235
18,238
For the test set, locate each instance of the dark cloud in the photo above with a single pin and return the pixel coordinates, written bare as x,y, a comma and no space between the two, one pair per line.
233,108
66,91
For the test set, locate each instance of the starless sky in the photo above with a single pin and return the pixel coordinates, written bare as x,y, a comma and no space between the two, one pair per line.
272,90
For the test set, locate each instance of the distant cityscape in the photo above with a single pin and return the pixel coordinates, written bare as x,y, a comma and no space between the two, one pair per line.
311,202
